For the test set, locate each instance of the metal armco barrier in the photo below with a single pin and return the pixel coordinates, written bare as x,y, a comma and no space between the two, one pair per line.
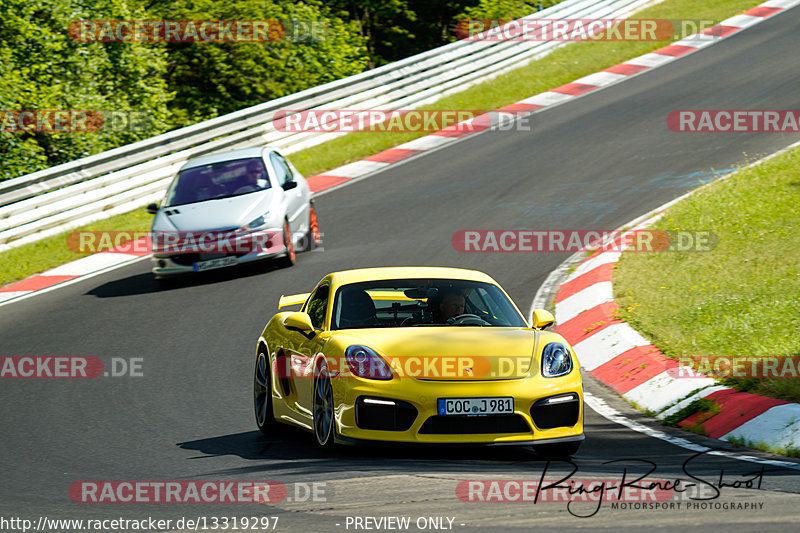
73,194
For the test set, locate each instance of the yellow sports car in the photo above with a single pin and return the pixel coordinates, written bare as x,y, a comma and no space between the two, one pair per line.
417,355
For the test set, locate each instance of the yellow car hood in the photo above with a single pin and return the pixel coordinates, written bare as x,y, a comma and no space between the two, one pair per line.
452,353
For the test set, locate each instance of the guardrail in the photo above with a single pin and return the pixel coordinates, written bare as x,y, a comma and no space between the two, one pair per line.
92,188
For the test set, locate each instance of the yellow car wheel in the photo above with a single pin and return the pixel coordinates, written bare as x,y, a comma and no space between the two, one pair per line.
323,411
262,394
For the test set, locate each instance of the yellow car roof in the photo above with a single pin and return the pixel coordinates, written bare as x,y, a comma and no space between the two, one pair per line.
369,274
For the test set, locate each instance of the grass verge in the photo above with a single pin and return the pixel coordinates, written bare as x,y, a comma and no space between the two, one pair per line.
739,299
789,451
23,261
561,66
707,409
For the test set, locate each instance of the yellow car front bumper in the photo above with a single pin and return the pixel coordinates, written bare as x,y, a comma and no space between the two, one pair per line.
429,426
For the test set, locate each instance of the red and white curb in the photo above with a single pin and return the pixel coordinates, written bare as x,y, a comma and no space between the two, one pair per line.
74,270
351,172
565,93
616,354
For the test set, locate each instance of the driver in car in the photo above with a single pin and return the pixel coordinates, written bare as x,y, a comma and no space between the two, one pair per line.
252,178
450,306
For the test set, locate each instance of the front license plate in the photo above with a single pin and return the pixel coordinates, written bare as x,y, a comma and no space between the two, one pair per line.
476,406
214,263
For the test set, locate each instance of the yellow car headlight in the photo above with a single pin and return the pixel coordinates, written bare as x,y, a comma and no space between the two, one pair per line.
366,363
556,360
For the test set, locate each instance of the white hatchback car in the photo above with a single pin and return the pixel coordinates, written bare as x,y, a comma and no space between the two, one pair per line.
231,208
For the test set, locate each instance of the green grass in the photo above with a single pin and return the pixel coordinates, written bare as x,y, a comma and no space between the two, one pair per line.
742,297
747,443
562,66
559,67
708,407
23,261
703,407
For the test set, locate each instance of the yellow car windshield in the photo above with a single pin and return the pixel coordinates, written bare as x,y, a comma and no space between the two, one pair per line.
423,302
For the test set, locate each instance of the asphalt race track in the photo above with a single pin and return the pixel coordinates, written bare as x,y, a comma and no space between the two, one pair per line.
593,163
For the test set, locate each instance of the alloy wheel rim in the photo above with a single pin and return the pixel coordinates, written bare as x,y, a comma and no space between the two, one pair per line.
261,390
323,408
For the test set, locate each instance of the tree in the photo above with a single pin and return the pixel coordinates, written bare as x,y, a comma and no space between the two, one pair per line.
175,84
387,25
42,68
213,78
506,9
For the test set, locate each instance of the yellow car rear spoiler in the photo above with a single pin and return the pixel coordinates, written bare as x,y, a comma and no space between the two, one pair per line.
389,295
293,299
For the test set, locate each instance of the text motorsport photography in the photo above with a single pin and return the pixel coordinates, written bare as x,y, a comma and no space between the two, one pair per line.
634,490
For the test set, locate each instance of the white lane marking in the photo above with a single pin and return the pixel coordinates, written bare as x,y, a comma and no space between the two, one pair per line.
607,344
425,143
592,296
10,295
651,60
779,3
601,78
600,407
550,99
590,264
741,21
541,300
357,169
547,98
71,281
89,264
543,297
781,421
688,400
698,41
660,391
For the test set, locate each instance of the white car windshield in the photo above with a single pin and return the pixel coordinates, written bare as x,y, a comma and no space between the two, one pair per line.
222,179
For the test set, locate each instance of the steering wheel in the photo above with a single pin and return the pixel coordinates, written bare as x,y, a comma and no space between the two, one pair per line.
244,189
467,319
409,321
209,192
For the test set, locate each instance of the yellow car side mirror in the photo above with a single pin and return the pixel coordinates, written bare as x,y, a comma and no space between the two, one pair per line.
542,319
298,321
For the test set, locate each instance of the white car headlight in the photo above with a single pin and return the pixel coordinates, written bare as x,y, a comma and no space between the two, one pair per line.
258,222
